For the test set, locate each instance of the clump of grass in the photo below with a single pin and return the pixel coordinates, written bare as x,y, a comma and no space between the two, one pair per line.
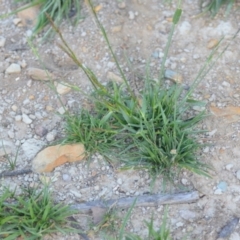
94,131
154,125
31,215
162,233
214,6
56,9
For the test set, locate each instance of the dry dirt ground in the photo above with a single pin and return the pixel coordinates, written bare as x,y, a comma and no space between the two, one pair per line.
138,33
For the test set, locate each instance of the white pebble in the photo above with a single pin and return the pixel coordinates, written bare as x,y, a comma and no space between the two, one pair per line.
229,166
238,174
26,119
119,181
18,118
218,191
2,41
131,15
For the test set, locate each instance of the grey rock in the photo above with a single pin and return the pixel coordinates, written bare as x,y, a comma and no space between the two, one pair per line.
131,15
2,41
13,68
11,134
66,177
26,119
18,118
51,136
31,147
229,166
228,228
238,174
41,130
222,185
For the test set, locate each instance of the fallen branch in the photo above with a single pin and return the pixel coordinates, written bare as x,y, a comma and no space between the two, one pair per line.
142,201
15,173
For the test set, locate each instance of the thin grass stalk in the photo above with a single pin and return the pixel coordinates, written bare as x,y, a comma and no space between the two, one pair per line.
110,48
176,18
65,47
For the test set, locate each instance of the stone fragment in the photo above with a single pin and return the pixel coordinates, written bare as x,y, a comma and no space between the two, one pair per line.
218,191
41,130
222,185
117,28
54,156
66,177
11,134
238,174
51,136
227,230
212,43
29,15
113,77
13,68
229,166
62,88
2,41
61,110
40,74
31,147
131,15
174,76
230,113
98,8
26,119
17,21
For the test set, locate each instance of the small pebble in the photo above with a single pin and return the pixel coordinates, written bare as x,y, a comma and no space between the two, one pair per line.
66,177
222,186
18,118
51,136
184,181
2,41
212,43
119,181
26,119
131,15
229,166
176,77
40,130
13,68
218,191
238,174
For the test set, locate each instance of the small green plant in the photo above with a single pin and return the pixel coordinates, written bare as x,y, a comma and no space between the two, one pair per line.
214,6
12,161
108,223
162,233
151,129
95,132
56,9
31,215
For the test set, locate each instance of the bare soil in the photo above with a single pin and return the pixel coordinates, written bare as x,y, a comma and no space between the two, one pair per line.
138,33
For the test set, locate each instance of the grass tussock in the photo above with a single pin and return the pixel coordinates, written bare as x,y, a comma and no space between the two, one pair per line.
31,215
150,130
57,10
